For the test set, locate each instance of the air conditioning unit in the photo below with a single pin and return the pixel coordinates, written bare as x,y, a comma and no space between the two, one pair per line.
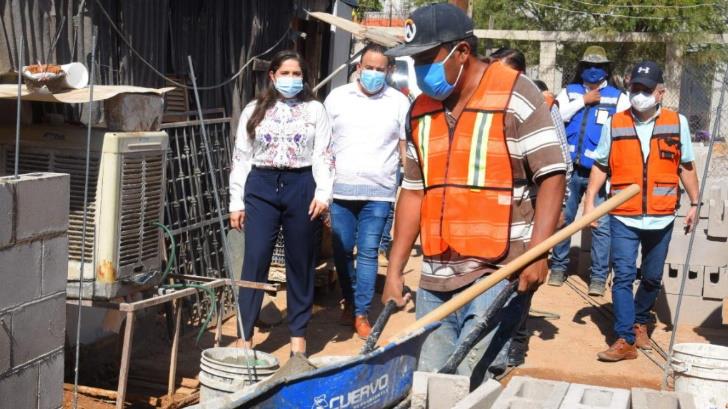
123,247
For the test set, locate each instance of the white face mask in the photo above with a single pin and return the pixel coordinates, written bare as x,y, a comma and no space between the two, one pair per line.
642,101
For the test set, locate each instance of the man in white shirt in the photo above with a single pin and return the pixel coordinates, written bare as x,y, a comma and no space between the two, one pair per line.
585,105
368,136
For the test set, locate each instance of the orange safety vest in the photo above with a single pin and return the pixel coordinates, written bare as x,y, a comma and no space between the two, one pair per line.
658,175
467,173
550,100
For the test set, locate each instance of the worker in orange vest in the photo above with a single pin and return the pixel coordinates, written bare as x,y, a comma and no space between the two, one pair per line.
481,143
650,146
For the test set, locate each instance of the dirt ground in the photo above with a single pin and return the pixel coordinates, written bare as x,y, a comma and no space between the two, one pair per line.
564,348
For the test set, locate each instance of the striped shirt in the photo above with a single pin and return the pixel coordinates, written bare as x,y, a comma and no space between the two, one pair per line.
535,152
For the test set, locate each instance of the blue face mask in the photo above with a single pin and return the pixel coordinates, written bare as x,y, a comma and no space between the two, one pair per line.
593,75
372,81
289,87
432,80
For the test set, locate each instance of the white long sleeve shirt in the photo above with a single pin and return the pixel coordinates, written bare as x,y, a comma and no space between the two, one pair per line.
568,107
293,134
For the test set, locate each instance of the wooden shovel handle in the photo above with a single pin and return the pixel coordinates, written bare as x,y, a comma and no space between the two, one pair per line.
519,262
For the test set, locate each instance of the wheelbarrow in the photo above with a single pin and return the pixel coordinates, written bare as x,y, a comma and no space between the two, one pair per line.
383,377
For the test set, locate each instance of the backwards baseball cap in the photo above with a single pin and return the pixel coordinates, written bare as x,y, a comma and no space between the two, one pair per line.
647,73
431,26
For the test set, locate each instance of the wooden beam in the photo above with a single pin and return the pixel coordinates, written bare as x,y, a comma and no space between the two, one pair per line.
150,302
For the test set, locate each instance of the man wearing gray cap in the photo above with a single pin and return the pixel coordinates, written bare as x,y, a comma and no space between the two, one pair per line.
585,105
481,143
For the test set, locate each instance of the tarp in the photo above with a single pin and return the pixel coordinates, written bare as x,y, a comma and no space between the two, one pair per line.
76,96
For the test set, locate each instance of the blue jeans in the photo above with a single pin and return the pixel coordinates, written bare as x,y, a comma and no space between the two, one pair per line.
386,242
360,223
488,357
625,242
600,235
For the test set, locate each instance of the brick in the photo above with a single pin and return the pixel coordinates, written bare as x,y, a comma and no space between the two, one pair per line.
532,393
38,328
50,382
20,390
588,396
435,391
483,397
6,325
672,278
54,265
694,311
651,399
19,274
7,212
715,282
42,204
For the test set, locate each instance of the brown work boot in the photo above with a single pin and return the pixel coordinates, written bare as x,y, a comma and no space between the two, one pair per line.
641,337
362,327
347,314
618,351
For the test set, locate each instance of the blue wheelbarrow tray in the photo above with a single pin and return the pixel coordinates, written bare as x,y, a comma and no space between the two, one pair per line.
378,379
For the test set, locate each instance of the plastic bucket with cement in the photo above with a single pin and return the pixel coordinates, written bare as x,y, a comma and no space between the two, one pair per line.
76,75
224,370
702,370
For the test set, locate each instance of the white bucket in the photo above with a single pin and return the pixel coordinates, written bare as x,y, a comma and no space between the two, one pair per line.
76,75
702,370
223,371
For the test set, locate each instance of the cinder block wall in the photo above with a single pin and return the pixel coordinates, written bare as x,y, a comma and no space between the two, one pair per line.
33,272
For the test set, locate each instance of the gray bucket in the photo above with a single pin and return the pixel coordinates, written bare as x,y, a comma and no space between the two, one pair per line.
223,371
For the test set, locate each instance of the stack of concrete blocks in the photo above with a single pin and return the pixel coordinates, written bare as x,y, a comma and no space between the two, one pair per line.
706,285
33,272
595,397
651,399
523,392
442,391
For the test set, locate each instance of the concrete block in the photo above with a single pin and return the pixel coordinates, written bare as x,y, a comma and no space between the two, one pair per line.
42,204
6,342
134,112
672,278
695,311
651,399
19,274
50,382
7,212
715,282
20,390
438,391
588,396
39,328
523,392
717,202
54,265
482,397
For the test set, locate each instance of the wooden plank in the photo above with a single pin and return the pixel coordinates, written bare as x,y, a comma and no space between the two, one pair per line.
125,357
725,311
150,302
175,348
240,283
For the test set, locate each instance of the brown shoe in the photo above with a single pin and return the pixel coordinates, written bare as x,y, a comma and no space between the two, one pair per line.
642,338
618,351
347,314
362,327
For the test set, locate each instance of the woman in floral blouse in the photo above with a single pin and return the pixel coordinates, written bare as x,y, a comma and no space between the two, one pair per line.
282,175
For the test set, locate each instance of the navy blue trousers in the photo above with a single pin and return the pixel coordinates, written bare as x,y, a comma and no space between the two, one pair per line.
274,198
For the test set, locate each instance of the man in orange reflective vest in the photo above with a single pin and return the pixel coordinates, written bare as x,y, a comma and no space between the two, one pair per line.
481,142
650,146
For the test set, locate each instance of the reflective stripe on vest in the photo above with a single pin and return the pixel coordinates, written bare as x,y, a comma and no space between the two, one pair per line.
467,171
582,130
658,175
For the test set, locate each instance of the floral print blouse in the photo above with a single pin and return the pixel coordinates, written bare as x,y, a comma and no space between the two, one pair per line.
293,134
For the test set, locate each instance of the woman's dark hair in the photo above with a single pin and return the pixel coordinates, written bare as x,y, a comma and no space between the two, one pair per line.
541,85
268,97
510,57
